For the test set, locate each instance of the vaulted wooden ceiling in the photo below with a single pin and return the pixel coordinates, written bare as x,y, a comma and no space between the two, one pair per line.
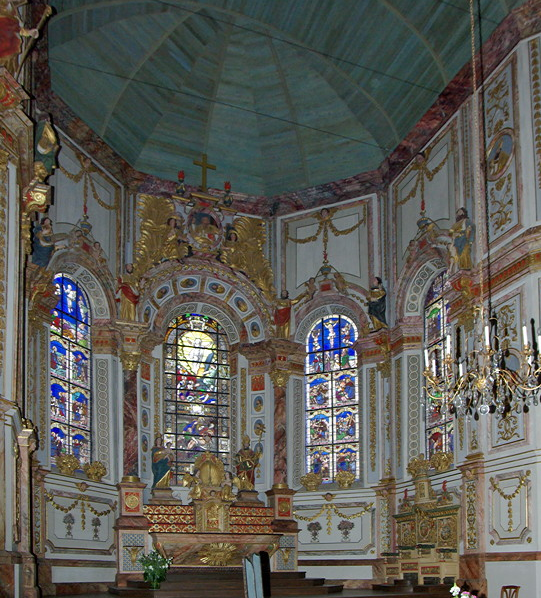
281,94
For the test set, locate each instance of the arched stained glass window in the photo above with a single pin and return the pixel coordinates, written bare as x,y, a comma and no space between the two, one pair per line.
197,376
439,424
332,405
70,372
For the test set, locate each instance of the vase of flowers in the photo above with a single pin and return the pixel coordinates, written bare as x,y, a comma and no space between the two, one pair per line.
345,527
155,567
314,528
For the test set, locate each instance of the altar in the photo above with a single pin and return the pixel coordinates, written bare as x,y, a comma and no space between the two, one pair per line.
218,528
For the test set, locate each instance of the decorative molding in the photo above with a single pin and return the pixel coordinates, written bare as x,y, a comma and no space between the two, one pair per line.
414,400
102,386
416,290
235,408
372,416
157,396
398,410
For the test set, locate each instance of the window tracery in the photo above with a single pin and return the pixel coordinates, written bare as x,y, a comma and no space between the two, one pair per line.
70,372
439,425
332,405
197,396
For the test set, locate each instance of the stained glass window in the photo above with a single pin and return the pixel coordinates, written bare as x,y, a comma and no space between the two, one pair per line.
332,409
439,424
70,369
196,408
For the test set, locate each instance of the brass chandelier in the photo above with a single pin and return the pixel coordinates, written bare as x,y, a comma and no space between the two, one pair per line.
486,375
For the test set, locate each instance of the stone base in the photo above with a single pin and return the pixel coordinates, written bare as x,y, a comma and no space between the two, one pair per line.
163,496
248,498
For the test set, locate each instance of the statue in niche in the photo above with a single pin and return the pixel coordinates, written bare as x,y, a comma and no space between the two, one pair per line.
162,457
377,300
128,294
246,462
462,234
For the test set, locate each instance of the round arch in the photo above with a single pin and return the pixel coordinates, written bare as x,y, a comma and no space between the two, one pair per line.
101,297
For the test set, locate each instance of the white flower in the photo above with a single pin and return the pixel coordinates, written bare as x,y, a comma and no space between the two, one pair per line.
455,590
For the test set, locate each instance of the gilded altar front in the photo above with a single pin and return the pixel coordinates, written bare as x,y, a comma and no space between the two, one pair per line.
427,533
216,529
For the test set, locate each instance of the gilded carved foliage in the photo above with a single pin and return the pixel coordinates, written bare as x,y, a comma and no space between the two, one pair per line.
245,254
501,151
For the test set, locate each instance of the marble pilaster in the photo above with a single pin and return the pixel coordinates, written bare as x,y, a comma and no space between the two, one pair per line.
27,441
472,562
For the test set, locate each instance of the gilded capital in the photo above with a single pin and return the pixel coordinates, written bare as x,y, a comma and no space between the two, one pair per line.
418,466
130,359
279,377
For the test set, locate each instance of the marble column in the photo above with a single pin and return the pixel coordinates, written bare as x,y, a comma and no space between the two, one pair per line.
279,380
130,364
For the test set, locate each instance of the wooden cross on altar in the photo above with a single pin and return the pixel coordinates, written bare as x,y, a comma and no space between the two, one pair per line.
204,166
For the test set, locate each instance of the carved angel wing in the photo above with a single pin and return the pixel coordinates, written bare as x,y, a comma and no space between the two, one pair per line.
246,254
157,241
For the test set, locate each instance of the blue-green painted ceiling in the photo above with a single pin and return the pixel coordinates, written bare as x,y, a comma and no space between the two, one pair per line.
281,94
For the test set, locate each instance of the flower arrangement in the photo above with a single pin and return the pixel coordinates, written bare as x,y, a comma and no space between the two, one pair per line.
458,592
314,528
155,567
345,527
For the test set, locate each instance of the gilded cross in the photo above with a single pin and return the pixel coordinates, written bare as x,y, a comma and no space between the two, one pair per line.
204,167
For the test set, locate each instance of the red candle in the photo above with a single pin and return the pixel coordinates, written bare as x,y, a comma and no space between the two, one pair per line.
180,175
227,186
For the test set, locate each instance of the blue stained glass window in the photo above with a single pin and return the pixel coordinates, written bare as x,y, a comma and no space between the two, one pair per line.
197,378
70,372
332,410
439,428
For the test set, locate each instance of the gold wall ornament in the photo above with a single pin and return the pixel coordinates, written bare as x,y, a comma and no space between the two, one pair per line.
508,427
85,173
67,464
441,461
95,471
217,554
329,509
83,502
134,552
325,224
279,378
311,481
345,479
423,172
510,496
